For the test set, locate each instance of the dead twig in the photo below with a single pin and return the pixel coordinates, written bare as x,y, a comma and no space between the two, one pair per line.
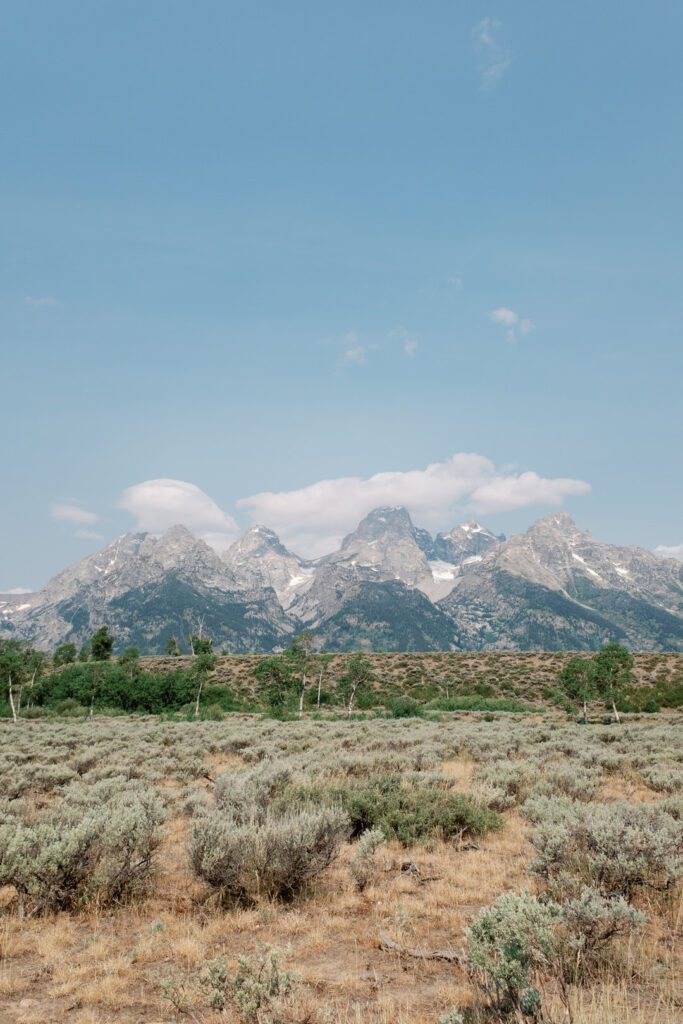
450,955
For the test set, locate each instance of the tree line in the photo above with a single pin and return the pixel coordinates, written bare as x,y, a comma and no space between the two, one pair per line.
285,684
92,678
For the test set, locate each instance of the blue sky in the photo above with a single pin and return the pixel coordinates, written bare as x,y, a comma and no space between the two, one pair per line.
253,246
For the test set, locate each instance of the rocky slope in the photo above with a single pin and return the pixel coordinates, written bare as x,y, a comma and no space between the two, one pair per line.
391,586
147,589
555,587
259,559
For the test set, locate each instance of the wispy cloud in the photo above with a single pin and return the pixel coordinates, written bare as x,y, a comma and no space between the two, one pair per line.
72,514
39,302
351,350
355,354
407,340
515,325
313,519
88,535
494,58
455,281
670,551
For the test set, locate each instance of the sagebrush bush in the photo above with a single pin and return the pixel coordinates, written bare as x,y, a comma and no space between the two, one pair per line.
77,855
248,795
258,983
271,855
589,924
363,862
511,943
666,778
572,780
504,784
615,848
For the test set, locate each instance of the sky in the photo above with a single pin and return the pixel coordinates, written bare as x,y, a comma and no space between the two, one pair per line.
280,263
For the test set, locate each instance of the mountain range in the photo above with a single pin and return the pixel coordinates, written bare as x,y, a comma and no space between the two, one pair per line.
390,586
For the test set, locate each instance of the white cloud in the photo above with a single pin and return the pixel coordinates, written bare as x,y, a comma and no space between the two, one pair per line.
88,535
313,519
515,325
410,347
42,302
494,58
19,590
670,551
504,316
160,504
72,514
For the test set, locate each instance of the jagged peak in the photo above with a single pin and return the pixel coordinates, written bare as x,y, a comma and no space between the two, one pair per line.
385,519
561,521
470,529
388,512
178,533
259,530
255,539
473,526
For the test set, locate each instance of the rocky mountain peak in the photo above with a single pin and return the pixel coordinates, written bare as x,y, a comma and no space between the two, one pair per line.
256,541
558,523
382,521
465,543
260,559
553,587
179,535
178,547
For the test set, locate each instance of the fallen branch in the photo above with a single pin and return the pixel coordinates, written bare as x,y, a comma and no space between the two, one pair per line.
451,956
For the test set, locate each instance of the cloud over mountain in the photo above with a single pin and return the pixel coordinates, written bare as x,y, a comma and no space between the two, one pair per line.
670,551
159,504
313,519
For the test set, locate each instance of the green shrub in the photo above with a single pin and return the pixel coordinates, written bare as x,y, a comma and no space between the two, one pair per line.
405,707
412,811
477,703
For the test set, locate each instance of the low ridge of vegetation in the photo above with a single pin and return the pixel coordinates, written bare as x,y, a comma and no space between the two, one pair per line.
302,680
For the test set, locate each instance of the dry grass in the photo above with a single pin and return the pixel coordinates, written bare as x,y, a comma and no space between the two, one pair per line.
93,968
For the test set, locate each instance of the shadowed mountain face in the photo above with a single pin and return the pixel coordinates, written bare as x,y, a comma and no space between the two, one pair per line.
390,586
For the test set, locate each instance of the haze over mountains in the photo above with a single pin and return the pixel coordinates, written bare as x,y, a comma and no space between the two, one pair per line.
390,586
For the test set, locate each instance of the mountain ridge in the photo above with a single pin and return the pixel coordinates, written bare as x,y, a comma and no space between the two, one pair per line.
390,585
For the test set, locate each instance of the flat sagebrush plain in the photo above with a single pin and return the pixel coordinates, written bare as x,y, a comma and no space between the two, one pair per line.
381,871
